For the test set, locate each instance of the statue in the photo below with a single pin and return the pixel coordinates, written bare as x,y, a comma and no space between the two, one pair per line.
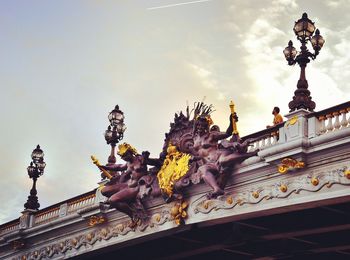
192,152
124,190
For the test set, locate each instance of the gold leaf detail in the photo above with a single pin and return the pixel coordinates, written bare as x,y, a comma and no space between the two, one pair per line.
255,194
175,166
283,188
315,181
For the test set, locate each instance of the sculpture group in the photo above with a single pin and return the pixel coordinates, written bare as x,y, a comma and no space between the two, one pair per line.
194,150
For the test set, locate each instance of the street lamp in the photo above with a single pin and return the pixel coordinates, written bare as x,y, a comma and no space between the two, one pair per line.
304,29
115,131
35,170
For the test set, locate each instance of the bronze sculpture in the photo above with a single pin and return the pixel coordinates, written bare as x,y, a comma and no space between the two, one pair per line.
192,152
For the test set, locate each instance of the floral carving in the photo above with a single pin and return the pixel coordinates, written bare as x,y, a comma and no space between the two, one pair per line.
312,182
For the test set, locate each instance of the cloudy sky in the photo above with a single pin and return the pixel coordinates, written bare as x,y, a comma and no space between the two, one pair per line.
65,64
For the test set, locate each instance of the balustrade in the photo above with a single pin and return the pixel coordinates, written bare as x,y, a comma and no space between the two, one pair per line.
81,203
333,119
9,227
46,216
263,139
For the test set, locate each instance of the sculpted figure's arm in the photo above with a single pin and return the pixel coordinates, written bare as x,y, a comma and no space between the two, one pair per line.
115,167
217,136
151,161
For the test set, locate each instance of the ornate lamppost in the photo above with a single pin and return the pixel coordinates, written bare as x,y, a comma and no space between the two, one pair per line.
304,29
115,131
35,170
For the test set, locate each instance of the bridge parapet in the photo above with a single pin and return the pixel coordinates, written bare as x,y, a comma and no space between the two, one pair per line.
257,188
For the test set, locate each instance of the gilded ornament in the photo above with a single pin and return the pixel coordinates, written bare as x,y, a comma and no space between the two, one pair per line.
292,121
96,220
315,181
347,174
104,172
74,241
289,164
175,166
124,147
255,194
282,169
157,217
229,200
283,188
240,202
89,237
234,124
178,212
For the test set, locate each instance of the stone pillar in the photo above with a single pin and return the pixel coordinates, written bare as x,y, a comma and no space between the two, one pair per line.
297,125
27,219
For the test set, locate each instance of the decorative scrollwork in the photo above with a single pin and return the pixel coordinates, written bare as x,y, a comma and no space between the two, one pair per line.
312,182
96,220
289,164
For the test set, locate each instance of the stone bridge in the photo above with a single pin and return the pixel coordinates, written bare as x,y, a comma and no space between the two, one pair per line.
290,201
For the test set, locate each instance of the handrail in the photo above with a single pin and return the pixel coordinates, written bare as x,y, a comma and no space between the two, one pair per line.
9,226
343,106
265,132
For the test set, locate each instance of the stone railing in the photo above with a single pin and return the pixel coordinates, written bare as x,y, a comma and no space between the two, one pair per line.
9,227
46,215
332,119
80,203
264,139
53,212
64,208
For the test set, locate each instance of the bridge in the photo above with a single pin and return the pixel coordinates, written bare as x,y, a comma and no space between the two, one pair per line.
289,200
292,200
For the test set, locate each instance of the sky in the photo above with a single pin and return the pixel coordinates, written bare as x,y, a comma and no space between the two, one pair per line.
65,64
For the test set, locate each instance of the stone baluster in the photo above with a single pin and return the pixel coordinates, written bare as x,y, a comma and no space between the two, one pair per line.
262,146
322,120
344,121
274,138
257,145
269,140
330,123
336,124
348,109
253,147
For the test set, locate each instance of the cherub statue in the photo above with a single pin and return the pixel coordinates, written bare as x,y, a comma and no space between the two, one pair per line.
123,191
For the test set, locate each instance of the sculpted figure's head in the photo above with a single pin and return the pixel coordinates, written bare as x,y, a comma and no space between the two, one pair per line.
202,125
126,151
215,128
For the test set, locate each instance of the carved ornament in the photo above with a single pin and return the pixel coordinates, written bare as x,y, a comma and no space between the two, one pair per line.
175,166
313,182
290,164
96,220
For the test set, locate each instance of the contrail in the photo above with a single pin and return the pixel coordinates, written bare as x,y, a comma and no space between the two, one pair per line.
172,5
